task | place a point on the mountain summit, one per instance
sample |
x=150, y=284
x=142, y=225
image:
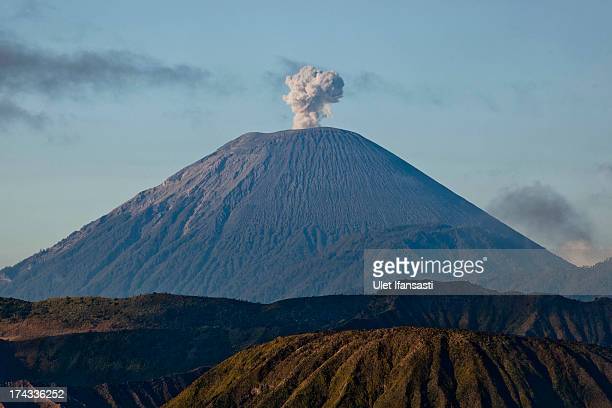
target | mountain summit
x=266, y=216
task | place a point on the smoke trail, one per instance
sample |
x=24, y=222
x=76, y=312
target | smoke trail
x=311, y=92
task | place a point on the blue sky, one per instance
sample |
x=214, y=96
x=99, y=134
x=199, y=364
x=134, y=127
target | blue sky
x=502, y=101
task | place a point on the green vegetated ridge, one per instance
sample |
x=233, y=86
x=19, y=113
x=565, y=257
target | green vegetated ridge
x=407, y=367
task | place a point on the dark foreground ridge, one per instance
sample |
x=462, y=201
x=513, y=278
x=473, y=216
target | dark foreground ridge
x=270, y=216
x=407, y=367
x=554, y=317
x=142, y=351
x=134, y=394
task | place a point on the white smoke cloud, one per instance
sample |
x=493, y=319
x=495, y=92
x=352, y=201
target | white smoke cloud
x=311, y=92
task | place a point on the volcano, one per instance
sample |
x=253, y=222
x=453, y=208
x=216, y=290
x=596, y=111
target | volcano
x=267, y=216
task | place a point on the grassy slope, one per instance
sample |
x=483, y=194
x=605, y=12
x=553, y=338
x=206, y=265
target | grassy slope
x=407, y=367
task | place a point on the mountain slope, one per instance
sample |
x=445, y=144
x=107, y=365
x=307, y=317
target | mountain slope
x=151, y=393
x=265, y=217
x=407, y=367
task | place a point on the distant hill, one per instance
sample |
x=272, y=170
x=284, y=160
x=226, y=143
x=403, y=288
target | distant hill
x=271, y=216
x=537, y=315
x=600, y=272
x=407, y=367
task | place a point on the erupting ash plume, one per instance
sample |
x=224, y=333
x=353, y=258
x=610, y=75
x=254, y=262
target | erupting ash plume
x=311, y=92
